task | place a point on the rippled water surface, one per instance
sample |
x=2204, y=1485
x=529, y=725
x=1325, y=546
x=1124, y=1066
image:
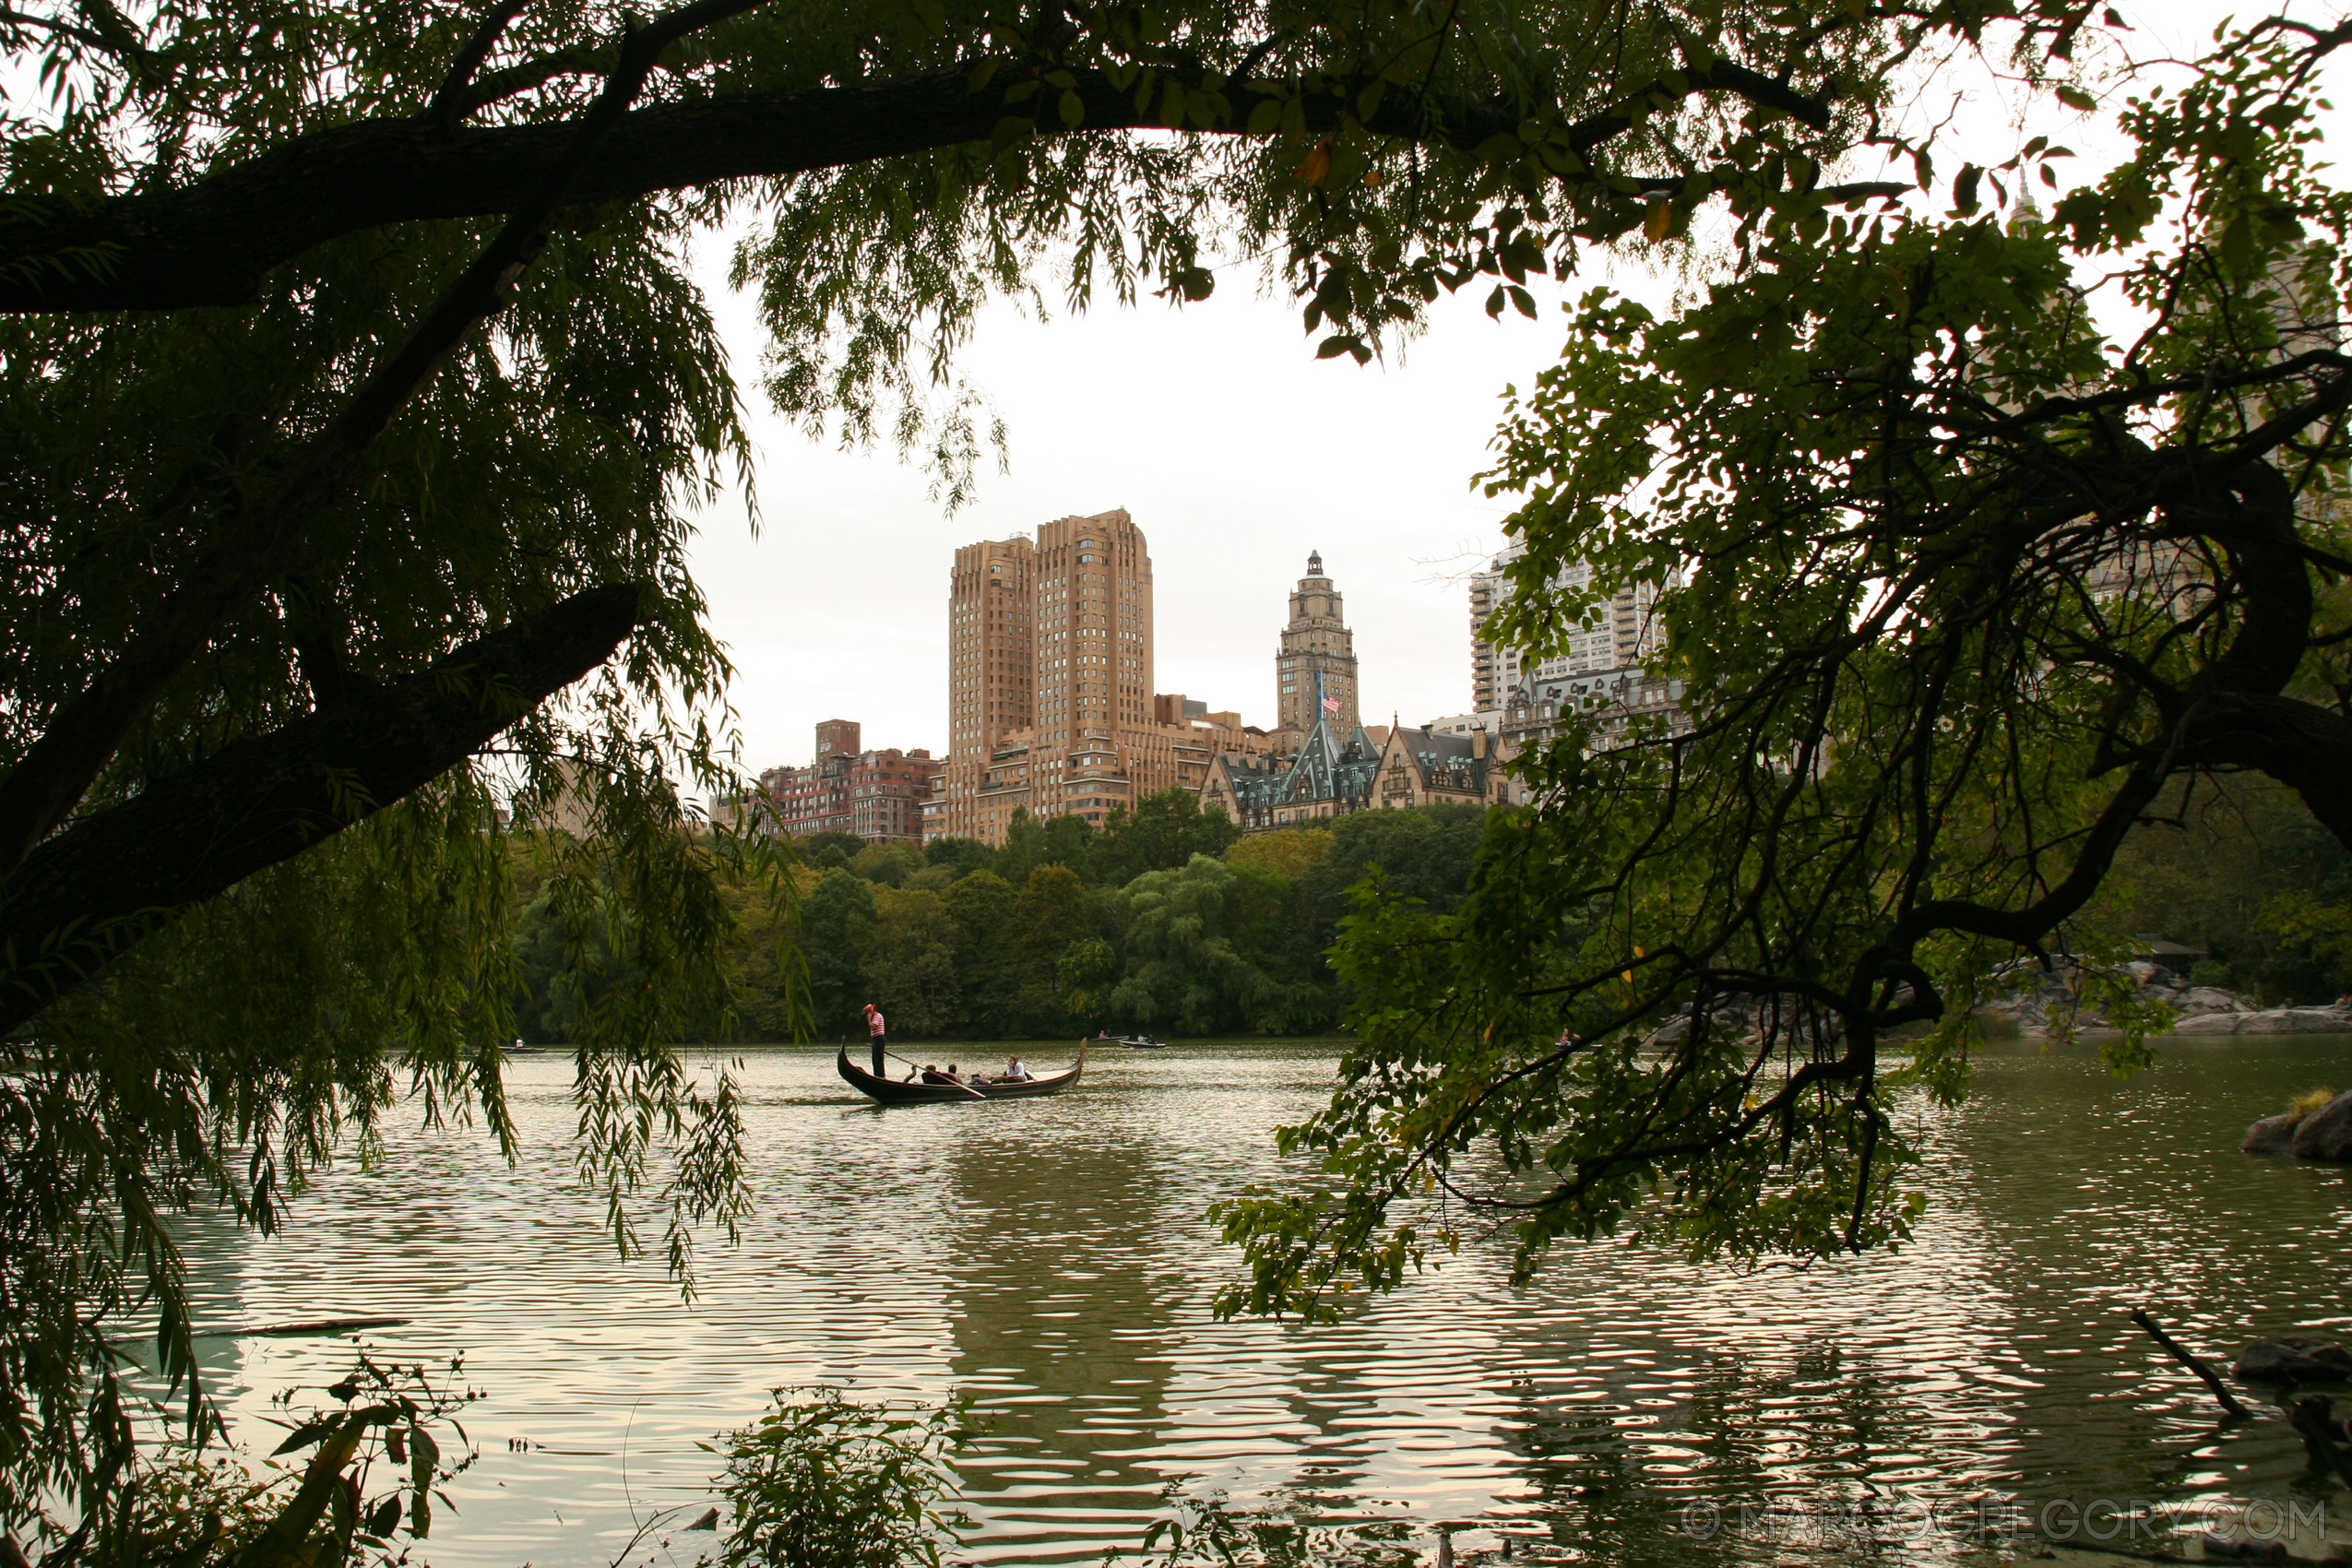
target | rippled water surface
x=1050, y=1257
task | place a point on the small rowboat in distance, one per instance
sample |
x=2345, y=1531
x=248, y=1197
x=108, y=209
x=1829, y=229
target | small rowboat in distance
x=1141, y=1042
x=890, y=1091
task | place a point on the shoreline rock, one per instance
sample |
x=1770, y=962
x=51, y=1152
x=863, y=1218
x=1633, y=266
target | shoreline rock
x=2293, y=1359
x=2324, y=1133
x=2272, y=1021
x=2272, y=1135
x=2196, y=1009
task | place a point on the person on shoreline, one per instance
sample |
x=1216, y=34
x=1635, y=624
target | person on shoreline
x=876, y=1034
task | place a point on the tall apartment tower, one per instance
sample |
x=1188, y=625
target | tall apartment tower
x=1615, y=637
x=1051, y=664
x=990, y=645
x=1487, y=590
x=1317, y=656
x=1094, y=648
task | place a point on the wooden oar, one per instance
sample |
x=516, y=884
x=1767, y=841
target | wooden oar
x=919, y=1067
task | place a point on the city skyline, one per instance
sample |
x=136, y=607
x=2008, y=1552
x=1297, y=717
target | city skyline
x=835, y=607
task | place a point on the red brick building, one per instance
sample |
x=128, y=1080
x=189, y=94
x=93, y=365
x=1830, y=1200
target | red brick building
x=877, y=795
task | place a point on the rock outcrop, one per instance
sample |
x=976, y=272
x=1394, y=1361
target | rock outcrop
x=2326, y=1133
x=2272, y=1135
x=2272, y=1021
x=2291, y=1359
x=1745, y=1019
x=2196, y=1009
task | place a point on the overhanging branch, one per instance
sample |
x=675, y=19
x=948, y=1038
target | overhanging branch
x=213, y=242
x=93, y=890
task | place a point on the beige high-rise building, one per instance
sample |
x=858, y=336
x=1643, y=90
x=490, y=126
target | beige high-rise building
x=1317, y=656
x=1050, y=666
x=1094, y=628
x=990, y=643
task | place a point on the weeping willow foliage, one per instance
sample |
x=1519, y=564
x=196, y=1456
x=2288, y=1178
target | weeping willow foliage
x=1370, y=156
x=258, y=1036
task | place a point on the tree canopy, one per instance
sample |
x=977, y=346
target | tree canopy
x=2000, y=532
x=357, y=400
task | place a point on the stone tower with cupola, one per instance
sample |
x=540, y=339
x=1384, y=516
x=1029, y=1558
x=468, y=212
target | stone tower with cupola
x=1317, y=657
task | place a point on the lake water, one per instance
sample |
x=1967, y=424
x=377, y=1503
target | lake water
x=1050, y=1257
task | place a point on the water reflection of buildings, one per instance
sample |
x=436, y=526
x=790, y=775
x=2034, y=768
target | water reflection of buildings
x=1062, y=1317
x=1079, y=1318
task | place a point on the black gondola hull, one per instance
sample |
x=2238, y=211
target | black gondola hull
x=889, y=1091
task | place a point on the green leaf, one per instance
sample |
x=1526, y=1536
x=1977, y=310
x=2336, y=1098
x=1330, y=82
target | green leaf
x=1964, y=190
x=307, y=1433
x=424, y=1457
x=1073, y=109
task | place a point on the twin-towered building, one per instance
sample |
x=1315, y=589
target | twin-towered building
x=1051, y=708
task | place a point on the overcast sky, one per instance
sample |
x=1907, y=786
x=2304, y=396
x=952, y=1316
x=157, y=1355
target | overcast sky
x=1237, y=453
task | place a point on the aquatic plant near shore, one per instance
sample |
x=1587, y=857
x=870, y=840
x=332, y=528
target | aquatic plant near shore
x=2308, y=1101
x=823, y=1481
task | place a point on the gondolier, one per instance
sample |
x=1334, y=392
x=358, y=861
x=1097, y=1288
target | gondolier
x=874, y=1032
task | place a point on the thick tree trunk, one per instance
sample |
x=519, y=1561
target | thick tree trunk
x=94, y=889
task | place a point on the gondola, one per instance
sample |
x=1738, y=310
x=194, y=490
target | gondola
x=889, y=1091
x=1141, y=1042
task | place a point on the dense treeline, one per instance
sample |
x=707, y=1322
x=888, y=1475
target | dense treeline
x=2237, y=870
x=1164, y=920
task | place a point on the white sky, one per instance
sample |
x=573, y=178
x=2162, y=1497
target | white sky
x=1237, y=453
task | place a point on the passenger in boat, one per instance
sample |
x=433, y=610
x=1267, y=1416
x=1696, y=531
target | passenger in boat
x=931, y=1074
x=875, y=1033
x=953, y=1075
x=1014, y=1072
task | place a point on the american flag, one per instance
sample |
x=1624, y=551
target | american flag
x=1331, y=704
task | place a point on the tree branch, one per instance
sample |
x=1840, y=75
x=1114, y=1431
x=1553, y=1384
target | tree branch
x=450, y=99
x=213, y=242
x=100, y=885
